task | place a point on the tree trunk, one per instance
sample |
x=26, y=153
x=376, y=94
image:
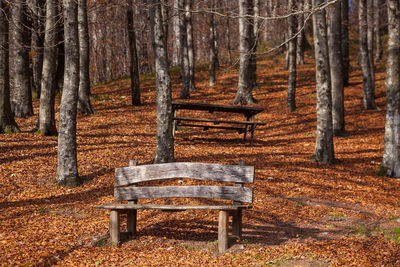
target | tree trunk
x=291, y=93
x=256, y=27
x=134, y=61
x=165, y=140
x=213, y=52
x=190, y=43
x=378, y=38
x=164, y=15
x=7, y=122
x=67, y=168
x=300, y=38
x=185, y=68
x=369, y=98
x=22, y=94
x=38, y=33
x=370, y=37
x=60, y=56
x=345, y=42
x=84, y=104
x=176, y=59
x=47, y=122
x=245, y=85
x=228, y=38
x=323, y=151
x=391, y=160
x=336, y=63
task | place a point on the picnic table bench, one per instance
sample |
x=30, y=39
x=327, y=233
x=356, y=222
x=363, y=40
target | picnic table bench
x=126, y=189
x=248, y=125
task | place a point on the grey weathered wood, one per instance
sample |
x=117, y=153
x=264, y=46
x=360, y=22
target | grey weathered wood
x=219, y=121
x=243, y=194
x=172, y=207
x=223, y=230
x=114, y=227
x=200, y=171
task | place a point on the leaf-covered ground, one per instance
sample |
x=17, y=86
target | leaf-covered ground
x=304, y=213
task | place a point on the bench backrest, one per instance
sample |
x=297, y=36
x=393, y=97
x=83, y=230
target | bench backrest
x=126, y=179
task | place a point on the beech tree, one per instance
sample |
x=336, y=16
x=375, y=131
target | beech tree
x=213, y=48
x=22, y=93
x=345, y=42
x=246, y=43
x=291, y=92
x=47, y=122
x=190, y=42
x=377, y=29
x=165, y=140
x=67, y=165
x=323, y=151
x=134, y=61
x=185, y=65
x=7, y=122
x=391, y=160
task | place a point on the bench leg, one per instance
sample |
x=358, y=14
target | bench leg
x=114, y=227
x=223, y=231
x=237, y=224
x=131, y=218
x=252, y=135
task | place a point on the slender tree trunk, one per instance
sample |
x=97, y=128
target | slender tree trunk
x=190, y=43
x=84, y=104
x=165, y=140
x=300, y=38
x=22, y=94
x=323, y=152
x=47, y=122
x=378, y=38
x=391, y=155
x=246, y=42
x=213, y=52
x=134, y=61
x=369, y=98
x=370, y=37
x=60, y=55
x=336, y=64
x=228, y=38
x=256, y=27
x=185, y=68
x=177, y=40
x=38, y=42
x=291, y=94
x=164, y=15
x=7, y=122
x=67, y=167
x=345, y=42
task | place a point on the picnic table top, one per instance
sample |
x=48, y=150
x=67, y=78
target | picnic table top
x=247, y=111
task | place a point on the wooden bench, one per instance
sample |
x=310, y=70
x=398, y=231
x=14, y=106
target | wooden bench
x=240, y=126
x=127, y=189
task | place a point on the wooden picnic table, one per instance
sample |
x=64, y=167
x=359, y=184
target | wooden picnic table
x=248, y=125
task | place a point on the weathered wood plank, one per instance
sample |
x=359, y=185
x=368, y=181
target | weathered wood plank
x=114, y=227
x=200, y=171
x=246, y=110
x=219, y=121
x=243, y=194
x=223, y=220
x=172, y=207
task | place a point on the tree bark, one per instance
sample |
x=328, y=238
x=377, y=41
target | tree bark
x=378, y=37
x=246, y=42
x=369, y=98
x=67, y=167
x=301, y=37
x=165, y=140
x=7, y=122
x=336, y=64
x=190, y=43
x=323, y=151
x=38, y=32
x=47, y=122
x=345, y=42
x=176, y=59
x=370, y=37
x=22, y=94
x=185, y=68
x=291, y=93
x=391, y=160
x=84, y=104
x=134, y=61
x=213, y=49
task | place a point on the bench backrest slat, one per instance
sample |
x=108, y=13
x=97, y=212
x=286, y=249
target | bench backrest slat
x=243, y=194
x=199, y=171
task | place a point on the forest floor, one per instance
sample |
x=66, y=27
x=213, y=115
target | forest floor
x=304, y=213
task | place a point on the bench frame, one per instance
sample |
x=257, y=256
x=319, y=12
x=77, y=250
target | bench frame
x=238, y=174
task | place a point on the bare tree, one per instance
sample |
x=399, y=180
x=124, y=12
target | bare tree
x=213, y=48
x=67, y=167
x=7, y=122
x=377, y=23
x=165, y=140
x=177, y=39
x=291, y=93
x=185, y=68
x=391, y=160
x=345, y=42
x=301, y=36
x=190, y=42
x=323, y=151
x=134, y=61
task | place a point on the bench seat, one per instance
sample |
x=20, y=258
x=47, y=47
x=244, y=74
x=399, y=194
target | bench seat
x=171, y=207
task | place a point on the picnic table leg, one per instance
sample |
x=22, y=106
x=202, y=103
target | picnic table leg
x=237, y=224
x=114, y=227
x=223, y=231
x=131, y=218
x=252, y=135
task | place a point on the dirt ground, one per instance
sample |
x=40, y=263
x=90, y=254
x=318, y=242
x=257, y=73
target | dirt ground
x=304, y=213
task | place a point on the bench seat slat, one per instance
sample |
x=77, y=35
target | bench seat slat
x=172, y=207
x=243, y=194
x=219, y=121
x=200, y=171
